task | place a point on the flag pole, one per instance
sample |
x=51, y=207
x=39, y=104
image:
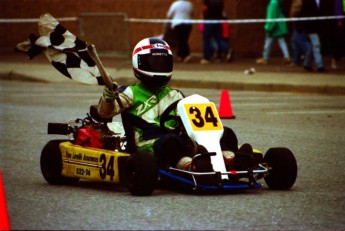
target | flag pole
x=108, y=81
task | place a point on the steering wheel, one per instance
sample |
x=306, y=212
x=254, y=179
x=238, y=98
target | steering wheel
x=167, y=117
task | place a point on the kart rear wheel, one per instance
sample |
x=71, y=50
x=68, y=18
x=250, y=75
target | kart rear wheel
x=51, y=164
x=282, y=167
x=141, y=174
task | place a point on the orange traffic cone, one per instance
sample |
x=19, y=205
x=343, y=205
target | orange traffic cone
x=4, y=221
x=225, y=110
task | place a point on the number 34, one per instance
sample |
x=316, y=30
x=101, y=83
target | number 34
x=204, y=117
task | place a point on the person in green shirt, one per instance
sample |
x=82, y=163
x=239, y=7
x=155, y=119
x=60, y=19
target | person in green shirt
x=275, y=30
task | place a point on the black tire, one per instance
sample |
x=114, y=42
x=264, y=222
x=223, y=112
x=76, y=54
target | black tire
x=51, y=164
x=282, y=168
x=141, y=174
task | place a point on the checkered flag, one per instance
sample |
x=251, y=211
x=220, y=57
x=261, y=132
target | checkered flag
x=68, y=54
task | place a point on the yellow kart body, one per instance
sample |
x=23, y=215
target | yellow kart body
x=90, y=163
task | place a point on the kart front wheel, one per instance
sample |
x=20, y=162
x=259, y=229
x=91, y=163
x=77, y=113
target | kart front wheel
x=51, y=164
x=282, y=167
x=141, y=174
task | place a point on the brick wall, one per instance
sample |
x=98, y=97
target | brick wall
x=246, y=38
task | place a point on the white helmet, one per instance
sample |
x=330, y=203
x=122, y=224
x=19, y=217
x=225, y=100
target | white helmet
x=152, y=61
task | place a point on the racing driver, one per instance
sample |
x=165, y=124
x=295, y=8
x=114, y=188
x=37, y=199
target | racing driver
x=142, y=104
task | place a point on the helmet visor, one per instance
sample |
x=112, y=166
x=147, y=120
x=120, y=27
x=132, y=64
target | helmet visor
x=155, y=62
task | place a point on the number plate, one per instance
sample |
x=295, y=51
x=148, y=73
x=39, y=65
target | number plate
x=203, y=117
x=90, y=163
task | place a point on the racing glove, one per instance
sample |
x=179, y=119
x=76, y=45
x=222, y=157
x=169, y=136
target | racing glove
x=109, y=94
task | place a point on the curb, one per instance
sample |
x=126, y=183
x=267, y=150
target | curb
x=329, y=90
x=200, y=83
x=13, y=76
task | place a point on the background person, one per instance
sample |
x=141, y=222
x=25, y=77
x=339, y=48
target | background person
x=225, y=42
x=300, y=43
x=338, y=34
x=181, y=9
x=310, y=8
x=217, y=53
x=213, y=10
x=275, y=30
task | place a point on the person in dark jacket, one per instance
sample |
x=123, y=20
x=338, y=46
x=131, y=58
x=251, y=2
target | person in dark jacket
x=213, y=10
x=338, y=33
x=310, y=8
x=301, y=46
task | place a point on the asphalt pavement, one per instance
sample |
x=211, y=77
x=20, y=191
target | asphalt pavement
x=234, y=75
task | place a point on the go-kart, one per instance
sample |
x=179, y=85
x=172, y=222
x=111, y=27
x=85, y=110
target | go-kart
x=97, y=151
